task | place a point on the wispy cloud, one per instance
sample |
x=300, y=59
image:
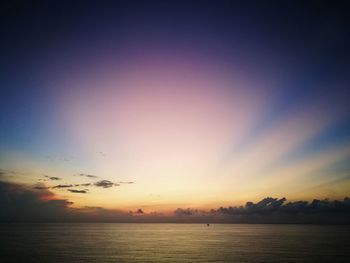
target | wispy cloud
x=53, y=178
x=87, y=175
x=40, y=187
x=85, y=191
x=101, y=183
x=4, y=172
x=87, y=184
x=62, y=186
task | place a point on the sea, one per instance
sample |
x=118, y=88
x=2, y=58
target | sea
x=115, y=242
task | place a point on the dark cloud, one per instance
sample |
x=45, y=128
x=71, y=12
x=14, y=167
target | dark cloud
x=41, y=186
x=54, y=178
x=62, y=186
x=273, y=206
x=38, y=187
x=186, y=212
x=88, y=175
x=105, y=184
x=87, y=184
x=139, y=211
x=273, y=210
x=102, y=183
x=85, y=191
x=20, y=204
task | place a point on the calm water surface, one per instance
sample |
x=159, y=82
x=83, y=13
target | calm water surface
x=173, y=243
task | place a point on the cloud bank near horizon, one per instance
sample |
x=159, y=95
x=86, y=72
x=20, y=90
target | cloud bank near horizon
x=19, y=203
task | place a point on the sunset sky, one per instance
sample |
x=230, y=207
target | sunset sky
x=145, y=105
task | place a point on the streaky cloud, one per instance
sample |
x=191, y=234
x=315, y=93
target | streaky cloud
x=62, y=186
x=87, y=184
x=78, y=191
x=39, y=187
x=53, y=178
x=88, y=175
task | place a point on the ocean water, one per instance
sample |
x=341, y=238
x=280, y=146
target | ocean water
x=102, y=242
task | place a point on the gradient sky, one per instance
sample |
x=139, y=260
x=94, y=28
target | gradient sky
x=198, y=104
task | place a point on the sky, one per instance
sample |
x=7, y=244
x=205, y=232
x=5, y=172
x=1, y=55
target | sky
x=157, y=105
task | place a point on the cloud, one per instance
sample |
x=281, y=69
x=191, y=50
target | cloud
x=6, y=172
x=62, y=186
x=105, y=184
x=88, y=184
x=40, y=187
x=102, y=183
x=54, y=178
x=139, y=211
x=185, y=212
x=85, y=191
x=87, y=175
x=279, y=206
x=273, y=210
x=21, y=204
